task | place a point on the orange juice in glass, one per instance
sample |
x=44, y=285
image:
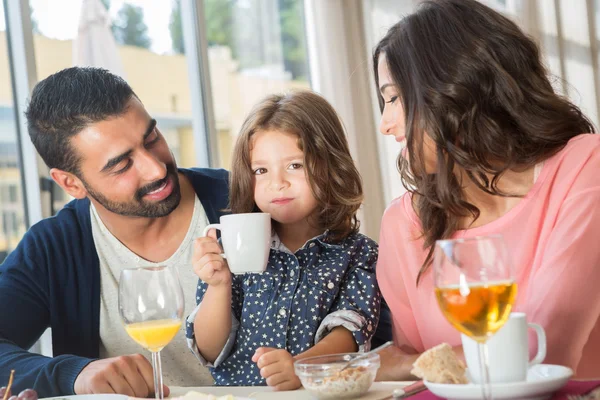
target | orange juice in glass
x=151, y=307
x=475, y=289
x=154, y=335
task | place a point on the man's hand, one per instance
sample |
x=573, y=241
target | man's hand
x=277, y=367
x=130, y=375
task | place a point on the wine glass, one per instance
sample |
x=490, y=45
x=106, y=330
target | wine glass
x=475, y=289
x=151, y=307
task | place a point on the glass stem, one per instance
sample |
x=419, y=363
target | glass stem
x=484, y=371
x=158, y=378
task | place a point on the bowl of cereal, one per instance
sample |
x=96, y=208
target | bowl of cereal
x=323, y=377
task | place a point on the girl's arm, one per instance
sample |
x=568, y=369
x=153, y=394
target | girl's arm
x=212, y=324
x=339, y=340
x=209, y=331
x=358, y=301
x=277, y=365
x=348, y=327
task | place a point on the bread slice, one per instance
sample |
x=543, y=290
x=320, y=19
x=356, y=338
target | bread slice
x=440, y=365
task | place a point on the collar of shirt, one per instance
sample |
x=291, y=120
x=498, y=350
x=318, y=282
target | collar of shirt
x=277, y=244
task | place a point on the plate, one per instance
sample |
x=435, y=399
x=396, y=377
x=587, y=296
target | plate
x=542, y=381
x=89, y=397
x=113, y=397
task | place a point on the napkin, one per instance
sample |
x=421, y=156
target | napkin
x=575, y=388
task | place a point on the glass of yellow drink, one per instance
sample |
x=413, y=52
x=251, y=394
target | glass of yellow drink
x=475, y=289
x=151, y=307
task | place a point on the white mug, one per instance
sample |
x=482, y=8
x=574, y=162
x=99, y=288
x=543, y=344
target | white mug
x=508, y=351
x=246, y=240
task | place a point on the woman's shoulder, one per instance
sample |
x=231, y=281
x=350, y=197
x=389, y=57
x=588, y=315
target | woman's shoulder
x=575, y=168
x=580, y=150
x=587, y=143
x=401, y=212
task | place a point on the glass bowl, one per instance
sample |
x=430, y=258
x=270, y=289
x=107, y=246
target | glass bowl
x=321, y=375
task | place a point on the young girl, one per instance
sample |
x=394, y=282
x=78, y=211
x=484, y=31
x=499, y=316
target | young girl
x=318, y=294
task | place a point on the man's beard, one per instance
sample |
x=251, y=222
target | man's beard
x=139, y=207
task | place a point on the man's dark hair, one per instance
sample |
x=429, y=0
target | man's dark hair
x=65, y=103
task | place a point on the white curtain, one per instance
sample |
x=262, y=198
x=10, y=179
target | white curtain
x=340, y=71
x=567, y=32
x=379, y=16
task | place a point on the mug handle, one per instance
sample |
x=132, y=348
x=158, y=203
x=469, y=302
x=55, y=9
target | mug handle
x=217, y=227
x=541, y=336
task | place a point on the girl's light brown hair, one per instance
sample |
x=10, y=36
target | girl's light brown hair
x=332, y=175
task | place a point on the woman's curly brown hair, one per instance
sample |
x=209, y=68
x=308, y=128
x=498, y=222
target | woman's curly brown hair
x=332, y=175
x=473, y=81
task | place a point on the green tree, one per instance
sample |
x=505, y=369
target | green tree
x=176, y=28
x=218, y=24
x=220, y=30
x=291, y=18
x=129, y=27
x=34, y=24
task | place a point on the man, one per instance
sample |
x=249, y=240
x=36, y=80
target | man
x=132, y=207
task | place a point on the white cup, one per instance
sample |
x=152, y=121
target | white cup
x=508, y=351
x=246, y=240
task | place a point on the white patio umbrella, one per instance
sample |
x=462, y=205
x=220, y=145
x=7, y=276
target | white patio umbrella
x=95, y=44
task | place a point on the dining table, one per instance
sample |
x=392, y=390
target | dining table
x=378, y=391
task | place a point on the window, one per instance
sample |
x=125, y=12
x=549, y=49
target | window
x=256, y=48
x=380, y=15
x=146, y=48
x=11, y=203
x=11, y=221
x=13, y=191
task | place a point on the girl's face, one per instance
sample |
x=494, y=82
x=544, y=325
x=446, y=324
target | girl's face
x=281, y=185
x=393, y=118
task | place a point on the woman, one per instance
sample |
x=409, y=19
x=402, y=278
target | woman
x=490, y=149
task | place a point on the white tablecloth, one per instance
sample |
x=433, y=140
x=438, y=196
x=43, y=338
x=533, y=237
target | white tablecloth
x=379, y=390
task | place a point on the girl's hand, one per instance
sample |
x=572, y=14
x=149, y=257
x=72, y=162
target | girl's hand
x=277, y=367
x=208, y=263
